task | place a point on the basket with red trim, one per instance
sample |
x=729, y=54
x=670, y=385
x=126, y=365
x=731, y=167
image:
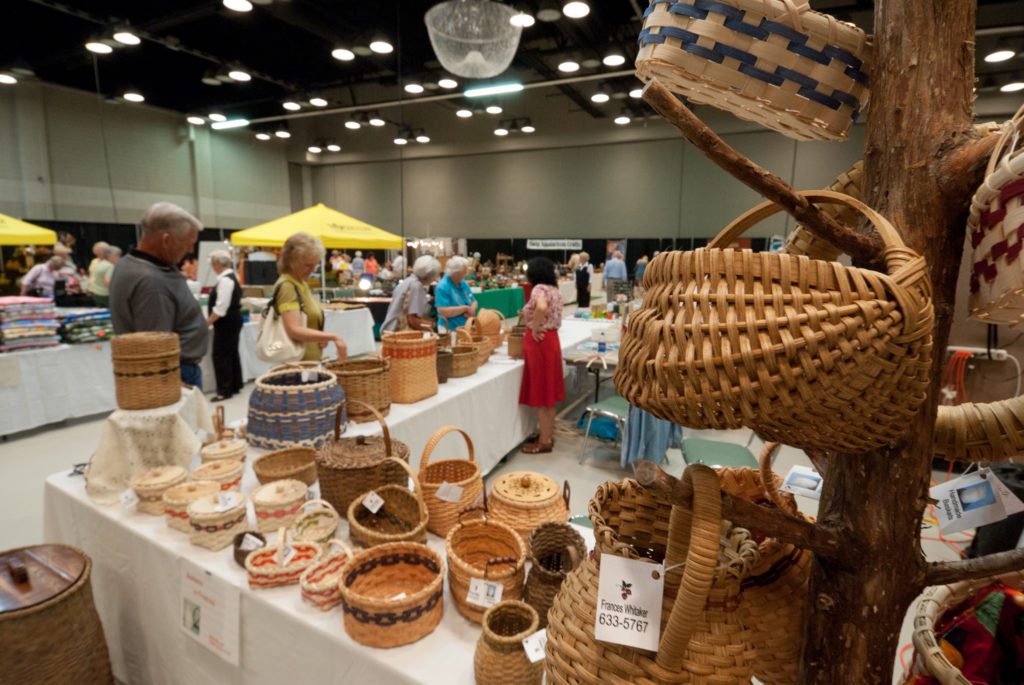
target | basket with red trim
x=281, y=564
x=319, y=582
x=278, y=504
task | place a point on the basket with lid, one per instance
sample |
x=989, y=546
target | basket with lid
x=525, y=499
x=277, y=504
x=499, y=658
x=487, y=550
x=150, y=486
x=319, y=582
x=367, y=381
x=177, y=499
x=291, y=408
x=282, y=563
x=316, y=524
x=223, y=449
x=348, y=466
x=227, y=472
x=291, y=462
x=460, y=479
x=399, y=516
x=215, y=519
x=146, y=369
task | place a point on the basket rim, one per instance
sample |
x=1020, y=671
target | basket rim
x=319, y=384
x=350, y=596
x=510, y=605
x=457, y=563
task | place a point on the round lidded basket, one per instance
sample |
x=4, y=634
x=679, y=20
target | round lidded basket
x=319, y=582
x=499, y=658
x=401, y=518
x=177, y=499
x=465, y=361
x=215, y=519
x=227, y=472
x=444, y=514
x=316, y=525
x=298, y=463
x=274, y=566
x=285, y=410
x=367, y=381
x=525, y=499
x=223, y=449
x=556, y=549
x=150, y=486
x=488, y=550
x=147, y=369
x=277, y=504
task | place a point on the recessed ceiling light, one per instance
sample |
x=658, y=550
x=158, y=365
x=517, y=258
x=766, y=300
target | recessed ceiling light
x=422, y=138
x=239, y=75
x=614, y=60
x=7, y=79
x=521, y=19
x=413, y=88
x=600, y=97
x=315, y=149
x=502, y=131
x=291, y=106
x=334, y=147
x=343, y=54
x=353, y=124
x=127, y=38
x=401, y=140
x=211, y=80
x=263, y=136
x=494, y=109
x=382, y=47
x=622, y=120
x=318, y=102
x=230, y=123
x=196, y=121
x=569, y=66
x=283, y=133
x=636, y=93
x=528, y=128
x=224, y=78
x=98, y=47
x=376, y=121
x=133, y=96
x=999, y=56
x=464, y=113
x=448, y=83
x=1013, y=87
x=575, y=10
x=216, y=116
x=238, y=5
x=496, y=89
x=549, y=12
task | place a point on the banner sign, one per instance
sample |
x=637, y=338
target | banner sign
x=554, y=244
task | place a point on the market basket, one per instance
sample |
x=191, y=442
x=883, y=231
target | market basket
x=500, y=658
x=318, y=524
x=525, y=499
x=772, y=62
x=465, y=361
x=348, y=466
x=319, y=582
x=489, y=324
x=280, y=564
x=463, y=475
x=487, y=550
x=287, y=411
x=215, y=519
x=223, y=449
x=392, y=594
x=147, y=369
x=366, y=381
x=176, y=500
x=481, y=345
x=292, y=462
x=413, y=356
x=810, y=353
x=149, y=487
x=444, y=365
x=401, y=518
x=226, y=472
x=277, y=504
x=556, y=549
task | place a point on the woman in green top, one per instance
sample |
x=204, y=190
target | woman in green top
x=300, y=256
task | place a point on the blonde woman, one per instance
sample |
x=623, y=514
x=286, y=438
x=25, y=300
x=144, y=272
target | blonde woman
x=300, y=256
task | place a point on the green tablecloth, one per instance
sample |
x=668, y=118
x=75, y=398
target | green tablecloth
x=508, y=301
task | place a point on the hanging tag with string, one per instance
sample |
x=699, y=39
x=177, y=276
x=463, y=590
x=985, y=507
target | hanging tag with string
x=972, y=500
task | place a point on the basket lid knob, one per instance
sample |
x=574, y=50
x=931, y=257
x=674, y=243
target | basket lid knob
x=525, y=481
x=360, y=439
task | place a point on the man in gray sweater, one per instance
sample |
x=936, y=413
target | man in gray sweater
x=149, y=293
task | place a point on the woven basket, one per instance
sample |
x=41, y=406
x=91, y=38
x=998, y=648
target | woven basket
x=236, y=545
x=993, y=225
x=990, y=431
x=515, y=342
x=392, y=594
x=367, y=381
x=523, y=500
x=147, y=369
x=298, y=463
x=285, y=411
x=278, y=504
x=465, y=361
x=803, y=242
x=499, y=658
x=226, y=472
x=465, y=474
x=150, y=486
x=348, y=466
x=481, y=345
x=555, y=550
x=413, y=356
x=212, y=525
x=316, y=525
x=319, y=582
x=444, y=365
x=177, y=499
x=489, y=324
x=814, y=354
x=223, y=449
x=772, y=62
x=484, y=549
x=402, y=517
x=266, y=567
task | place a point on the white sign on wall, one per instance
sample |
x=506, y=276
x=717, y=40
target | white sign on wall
x=554, y=244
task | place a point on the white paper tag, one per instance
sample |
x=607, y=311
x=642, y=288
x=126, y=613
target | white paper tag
x=484, y=593
x=307, y=375
x=629, y=598
x=129, y=499
x=285, y=554
x=534, y=645
x=225, y=501
x=237, y=423
x=250, y=542
x=1011, y=503
x=803, y=480
x=373, y=501
x=202, y=435
x=968, y=502
x=449, y=492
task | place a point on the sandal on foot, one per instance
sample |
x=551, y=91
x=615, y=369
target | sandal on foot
x=538, y=448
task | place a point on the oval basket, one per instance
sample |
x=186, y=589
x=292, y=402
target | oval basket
x=319, y=582
x=147, y=369
x=366, y=381
x=226, y=472
x=488, y=550
x=266, y=568
x=524, y=499
x=297, y=463
x=402, y=517
x=177, y=499
x=499, y=658
x=223, y=449
x=286, y=411
x=316, y=525
x=150, y=486
x=459, y=472
x=277, y=504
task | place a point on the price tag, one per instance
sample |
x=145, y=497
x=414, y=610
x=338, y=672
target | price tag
x=307, y=375
x=202, y=435
x=629, y=597
x=1011, y=503
x=225, y=501
x=803, y=480
x=373, y=502
x=534, y=645
x=285, y=554
x=968, y=502
x=449, y=492
x=484, y=593
x=238, y=423
x=250, y=542
x=129, y=499
x=313, y=492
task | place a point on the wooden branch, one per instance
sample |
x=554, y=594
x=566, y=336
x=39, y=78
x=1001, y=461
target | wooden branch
x=942, y=572
x=857, y=245
x=771, y=522
x=963, y=169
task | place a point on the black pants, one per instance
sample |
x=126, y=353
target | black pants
x=227, y=365
x=583, y=296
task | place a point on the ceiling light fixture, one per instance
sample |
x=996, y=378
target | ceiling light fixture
x=569, y=66
x=353, y=124
x=315, y=149
x=283, y=134
x=527, y=127
x=99, y=48
x=334, y=147
x=375, y=120
x=381, y=46
x=464, y=113
x=216, y=116
x=497, y=89
x=240, y=75
x=133, y=96
x=600, y=96
x=413, y=88
x=522, y=19
x=238, y=5
x=230, y=123
x=196, y=121
x=7, y=79
x=1000, y=55
x=210, y=78
x=549, y=11
x=501, y=131
x=1013, y=87
x=400, y=139
x=263, y=136
x=636, y=93
x=423, y=138
x=318, y=102
x=494, y=109
x=126, y=37
x=343, y=54
x=291, y=105
x=448, y=83
x=614, y=59
x=575, y=10
x=623, y=119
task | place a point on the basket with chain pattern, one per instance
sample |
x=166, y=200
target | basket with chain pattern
x=460, y=473
x=319, y=582
x=413, y=356
x=402, y=517
x=177, y=499
x=366, y=380
x=146, y=369
x=292, y=408
x=499, y=658
x=282, y=563
x=812, y=353
x=214, y=520
x=556, y=549
x=488, y=550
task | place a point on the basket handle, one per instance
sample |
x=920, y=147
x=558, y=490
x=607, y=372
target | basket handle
x=497, y=560
x=565, y=494
x=574, y=556
x=322, y=503
x=484, y=507
x=380, y=419
x=768, y=480
x=218, y=422
x=340, y=543
x=436, y=438
x=408, y=469
x=459, y=332
x=1011, y=135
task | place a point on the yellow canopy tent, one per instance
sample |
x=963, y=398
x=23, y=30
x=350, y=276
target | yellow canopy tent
x=16, y=232
x=334, y=229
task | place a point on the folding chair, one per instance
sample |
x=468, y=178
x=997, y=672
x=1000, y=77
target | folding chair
x=615, y=408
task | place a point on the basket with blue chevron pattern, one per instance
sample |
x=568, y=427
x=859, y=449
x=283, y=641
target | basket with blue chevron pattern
x=773, y=62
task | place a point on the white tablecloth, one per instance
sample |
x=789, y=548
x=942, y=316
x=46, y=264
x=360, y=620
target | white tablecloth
x=568, y=290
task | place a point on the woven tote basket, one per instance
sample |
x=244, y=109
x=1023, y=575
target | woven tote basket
x=773, y=62
x=147, y=369
x=226, y=472
x=987, y=431
x=298, y=463
x=268, y=566
x=177, y=499
x=499, y=658
x=413, y=356
x=277, y=505
x=515, y=342
x=488, y=550
x=392, y=594
x=401, y=518
x=444, y=365
x=464, y=474
x=286, y=411
x=465, y=361
x=523, y=500
x=150, y=486
x=223, y=449
x=318, y=524
x=319, y=582
x=367, y=381
x=556, y=549
x=348, y=466
x=214, y=520
x=480, y=344
x=810, y=353
x=489, y=324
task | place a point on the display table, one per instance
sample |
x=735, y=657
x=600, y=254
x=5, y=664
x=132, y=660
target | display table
x=568, y=290
x=377, y=306
x=508, y=301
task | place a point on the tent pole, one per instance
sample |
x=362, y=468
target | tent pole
x=323, y=276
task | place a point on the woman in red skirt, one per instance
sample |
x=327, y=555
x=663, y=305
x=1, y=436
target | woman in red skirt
x=543, y=385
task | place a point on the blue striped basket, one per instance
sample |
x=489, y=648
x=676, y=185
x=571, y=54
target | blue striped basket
x=773, y=62
x=285, y=410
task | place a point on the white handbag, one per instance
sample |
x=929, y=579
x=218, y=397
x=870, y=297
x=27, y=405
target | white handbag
x=273, y=344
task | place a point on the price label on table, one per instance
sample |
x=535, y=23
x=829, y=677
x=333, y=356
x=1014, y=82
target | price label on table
x=534, y=645
x=373, y=502
x=484, y=593
x=449, y=492
x=249, y=543
x=629, y=597
x=129, y=499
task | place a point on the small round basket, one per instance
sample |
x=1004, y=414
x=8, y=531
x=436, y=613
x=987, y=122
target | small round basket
x=465, y=361
x=227, y=472
x=236, y=545
x=177, y=499
x=277, y=504
x=319, y=582
x=223, y=449
x=318, y=524
x=150, y=486
x=297, y=463
x=524, y=500
x=488, y=550
x=401, y=518
x=500, y=658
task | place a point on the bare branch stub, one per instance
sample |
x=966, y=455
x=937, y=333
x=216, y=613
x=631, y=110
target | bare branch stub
x=942, y=572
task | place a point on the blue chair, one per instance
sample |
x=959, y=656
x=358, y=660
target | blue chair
x=615, y=408
x=717, y=454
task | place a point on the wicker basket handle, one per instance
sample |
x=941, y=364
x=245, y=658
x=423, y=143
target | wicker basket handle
x=377, y=415
x=436, y=438
x=337, y=421
x=574, y=557
x=416, y=489
x=460, y=332
x=768, y=480
x=497, y=560
x=483, y=508
x=218, y=422
x=322, y=503
x=340, y=543
x=1008, y=141
x=565, y=495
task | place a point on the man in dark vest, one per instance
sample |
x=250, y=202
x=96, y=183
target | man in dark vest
x=226, y=318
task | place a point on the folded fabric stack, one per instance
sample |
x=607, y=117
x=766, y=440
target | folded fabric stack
x=27, y=322
x=84, y=324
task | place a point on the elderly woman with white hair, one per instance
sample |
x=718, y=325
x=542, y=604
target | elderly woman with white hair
x=452, y=297
x=410, y=298
x=225, y=315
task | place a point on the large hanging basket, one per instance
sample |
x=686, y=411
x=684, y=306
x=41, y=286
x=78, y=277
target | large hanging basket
x=401, y=518
x=488, y=550
x=988, y=431
x=464, y=474
x=287, y=411
x=147, y=369
x=523, y=500
x=500, y=658
x=556, y=549
x=413, y=356
x=772, y=62
x=367, y=381
x=810, y=353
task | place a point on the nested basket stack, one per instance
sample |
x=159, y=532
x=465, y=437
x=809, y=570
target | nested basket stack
x=348, y=467
x=319, y=582
x=413, y=356
x=772, y=62
x=297, y=463
x=177, y=499
x=524, y=499
x=465, y=361
x=500, y=658
x=215, y=519
x=316, y=524
x=150, y=486
x=811, y=353
x=287, y=411
x=401, y=518
x=556, y=549
x=366, y=381
x=272, y=566
x=278, y=504
x=464, y=475
x=226, y=472
x=488, y=550
x=147, y=369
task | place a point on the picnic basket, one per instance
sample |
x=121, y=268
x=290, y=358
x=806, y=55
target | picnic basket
x=147, y=369
x=413, y=356
x=367, y=381
x=499, y=658
x=484, y=549
x=461, y=473
x=401, y=518
x=319, y=582
x=149, y=487
x=287, y=411
x=176, y=500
